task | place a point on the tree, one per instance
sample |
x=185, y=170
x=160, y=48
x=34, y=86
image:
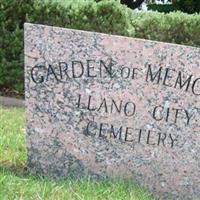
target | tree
x=189, y=6
x=132, y=3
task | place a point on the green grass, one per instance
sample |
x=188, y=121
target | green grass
x=17, y=184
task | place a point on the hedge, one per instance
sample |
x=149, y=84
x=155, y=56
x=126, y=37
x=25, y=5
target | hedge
x=107, y=16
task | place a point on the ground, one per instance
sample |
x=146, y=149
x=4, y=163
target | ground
x=17, y=183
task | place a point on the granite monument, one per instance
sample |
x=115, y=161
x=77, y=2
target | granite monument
x=103, y=106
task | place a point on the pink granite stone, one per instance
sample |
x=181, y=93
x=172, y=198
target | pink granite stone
x=106, y=106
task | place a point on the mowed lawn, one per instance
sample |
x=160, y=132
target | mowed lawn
x=18, y=184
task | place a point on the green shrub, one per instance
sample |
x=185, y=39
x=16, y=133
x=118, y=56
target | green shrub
x=175, y=27
x=12, y=17
x=107, y=16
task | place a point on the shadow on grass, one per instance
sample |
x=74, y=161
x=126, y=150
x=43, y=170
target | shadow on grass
x=19, y=170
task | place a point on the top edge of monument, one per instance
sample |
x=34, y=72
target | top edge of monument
x=26, y=24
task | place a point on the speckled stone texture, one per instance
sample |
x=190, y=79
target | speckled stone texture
x=104, y=106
